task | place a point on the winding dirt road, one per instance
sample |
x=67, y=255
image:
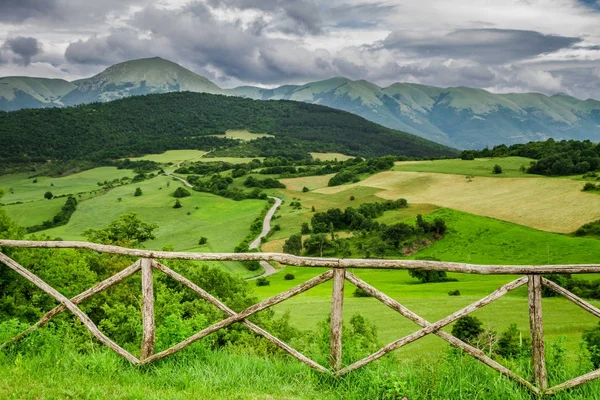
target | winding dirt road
x=269, y=270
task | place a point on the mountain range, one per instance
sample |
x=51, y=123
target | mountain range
x=460, y=117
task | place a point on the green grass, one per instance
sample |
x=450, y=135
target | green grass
x=35, y=212
x=471, y=239
x=478, y=167
x=223, y=221
x=18, y=187
x=172, y=156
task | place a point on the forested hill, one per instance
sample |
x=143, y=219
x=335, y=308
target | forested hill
x=159, y=122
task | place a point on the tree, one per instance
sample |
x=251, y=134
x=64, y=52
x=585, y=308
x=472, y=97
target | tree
x=138, y=192
x=128, y=231
x=497, y=169
x=396, y=233
x=429, y=276
x=467, y=329
x=317, y=243
x=305, y=229
x=202, y=241
x=305, y=189
x=512, y=343
x=48, y=195
x=293, y=245
x=289, y=277
x=177, y=204
x=181, y=192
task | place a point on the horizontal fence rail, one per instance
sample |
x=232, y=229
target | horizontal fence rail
x=339, y=274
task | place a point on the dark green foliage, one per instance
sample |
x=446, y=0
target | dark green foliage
x=352, y=198
x=354, y=218
x=467, y=329
x=454, y=293
x=236, y=173
x=289, y=277
x=127, y=231
x=467, y=155
x=560, y=279
x=48, y=195
x=497, y=169
x=358, y=292
x=263, y=282
x=203, y=240
x=252, y=265
x=177, y=204
x=62, y=218
x=317, y=243
x=268, y=183
x=138, y=192
x=155, y=123
x=355, y=167
x=512, y=343
x=589, y=229
x=181, y=192
x=305, y=189
x=589, y=186
x=430, y=276
x=293, y=245
x=219, y=185
x=305, y=229
x=591, y=338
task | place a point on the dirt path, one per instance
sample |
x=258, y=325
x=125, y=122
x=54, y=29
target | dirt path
x=186, y=183
x=269, y=270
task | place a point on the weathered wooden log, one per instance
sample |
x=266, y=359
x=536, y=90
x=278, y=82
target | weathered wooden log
x=324, y=277
x=574, y=382
x=437, y=325
x=288, y=259
x=69, y=305
x=147, y=310
x=536, y=326
x=256, y=329
x=105, y=284
x=467, y=348
x=571, y=297
x=337, y=306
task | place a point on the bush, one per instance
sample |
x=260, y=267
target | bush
x=202, y=241
x=263, y=282
x=358, y=292
x=305, y=189
x=289, y=277
x=305, y=229
x=467, y=329
x=138, y=192
x=512, y=343
x=591, y=339
x=181, y=192
x=589, y=186
x=497, y=169
x=252, y=265
x=352, y=198
x=177, y=204
x=48, y=195
x=454, y=293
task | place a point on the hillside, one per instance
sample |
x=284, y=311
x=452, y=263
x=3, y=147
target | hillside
x=138, y=77
x=461, y=117
x=155, y=123
x=17, y=92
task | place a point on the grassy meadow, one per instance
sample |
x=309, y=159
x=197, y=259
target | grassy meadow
x=511, y=166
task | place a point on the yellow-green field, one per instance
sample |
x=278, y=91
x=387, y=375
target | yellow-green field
x=511, y=166
x=330, y=156
x=173, y=156
x=556, y=205
x=243, y=135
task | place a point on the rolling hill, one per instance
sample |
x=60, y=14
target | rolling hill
x=155, y=123
x=460, y=117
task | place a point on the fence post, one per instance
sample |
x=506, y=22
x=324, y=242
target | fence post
x=538, y=357
x=147, y=309
x=337, y=304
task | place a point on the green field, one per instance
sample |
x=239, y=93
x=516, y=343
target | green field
x=471, y=239
x=478, y=167
x=244, y=135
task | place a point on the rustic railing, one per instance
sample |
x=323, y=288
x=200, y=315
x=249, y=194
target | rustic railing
x=339, y=274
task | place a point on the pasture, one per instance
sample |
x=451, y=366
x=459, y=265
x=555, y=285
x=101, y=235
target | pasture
x=330, y=156
x=555, y=205
x=511, y=166
x=243, y=135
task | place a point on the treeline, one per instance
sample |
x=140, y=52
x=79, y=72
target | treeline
x=566, y=157
x=219, y=185
x=355, y=167
x=60, y=219
x=160, y=122
x=268, y=183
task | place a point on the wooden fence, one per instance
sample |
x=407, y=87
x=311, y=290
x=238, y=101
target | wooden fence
x=339, y=273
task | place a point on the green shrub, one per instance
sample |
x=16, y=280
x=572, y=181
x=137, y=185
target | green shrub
x=202, y=241
x=467, y=328
x=177, y=204
x=289, y=277
x=591, y=339
x=454, y=293
x=263, y=282
x=497, y=169
x=181, y=192
x=358, y=292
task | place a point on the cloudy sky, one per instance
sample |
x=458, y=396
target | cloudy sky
x=544, y=46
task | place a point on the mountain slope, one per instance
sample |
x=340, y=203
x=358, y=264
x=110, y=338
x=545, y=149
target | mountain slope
x=159, y=122
x=459, y=116
x=17, y=92
x=138, y=77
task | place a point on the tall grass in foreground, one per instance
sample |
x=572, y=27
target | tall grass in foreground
x=47, y=365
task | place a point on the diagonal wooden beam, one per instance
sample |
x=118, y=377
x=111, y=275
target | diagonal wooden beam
x=69, y=305
x=436, y=326
x=574, y=382
x=467, y=348
x=324, y=277
x=571, y=297
x=256, y=329
x=105, y=284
